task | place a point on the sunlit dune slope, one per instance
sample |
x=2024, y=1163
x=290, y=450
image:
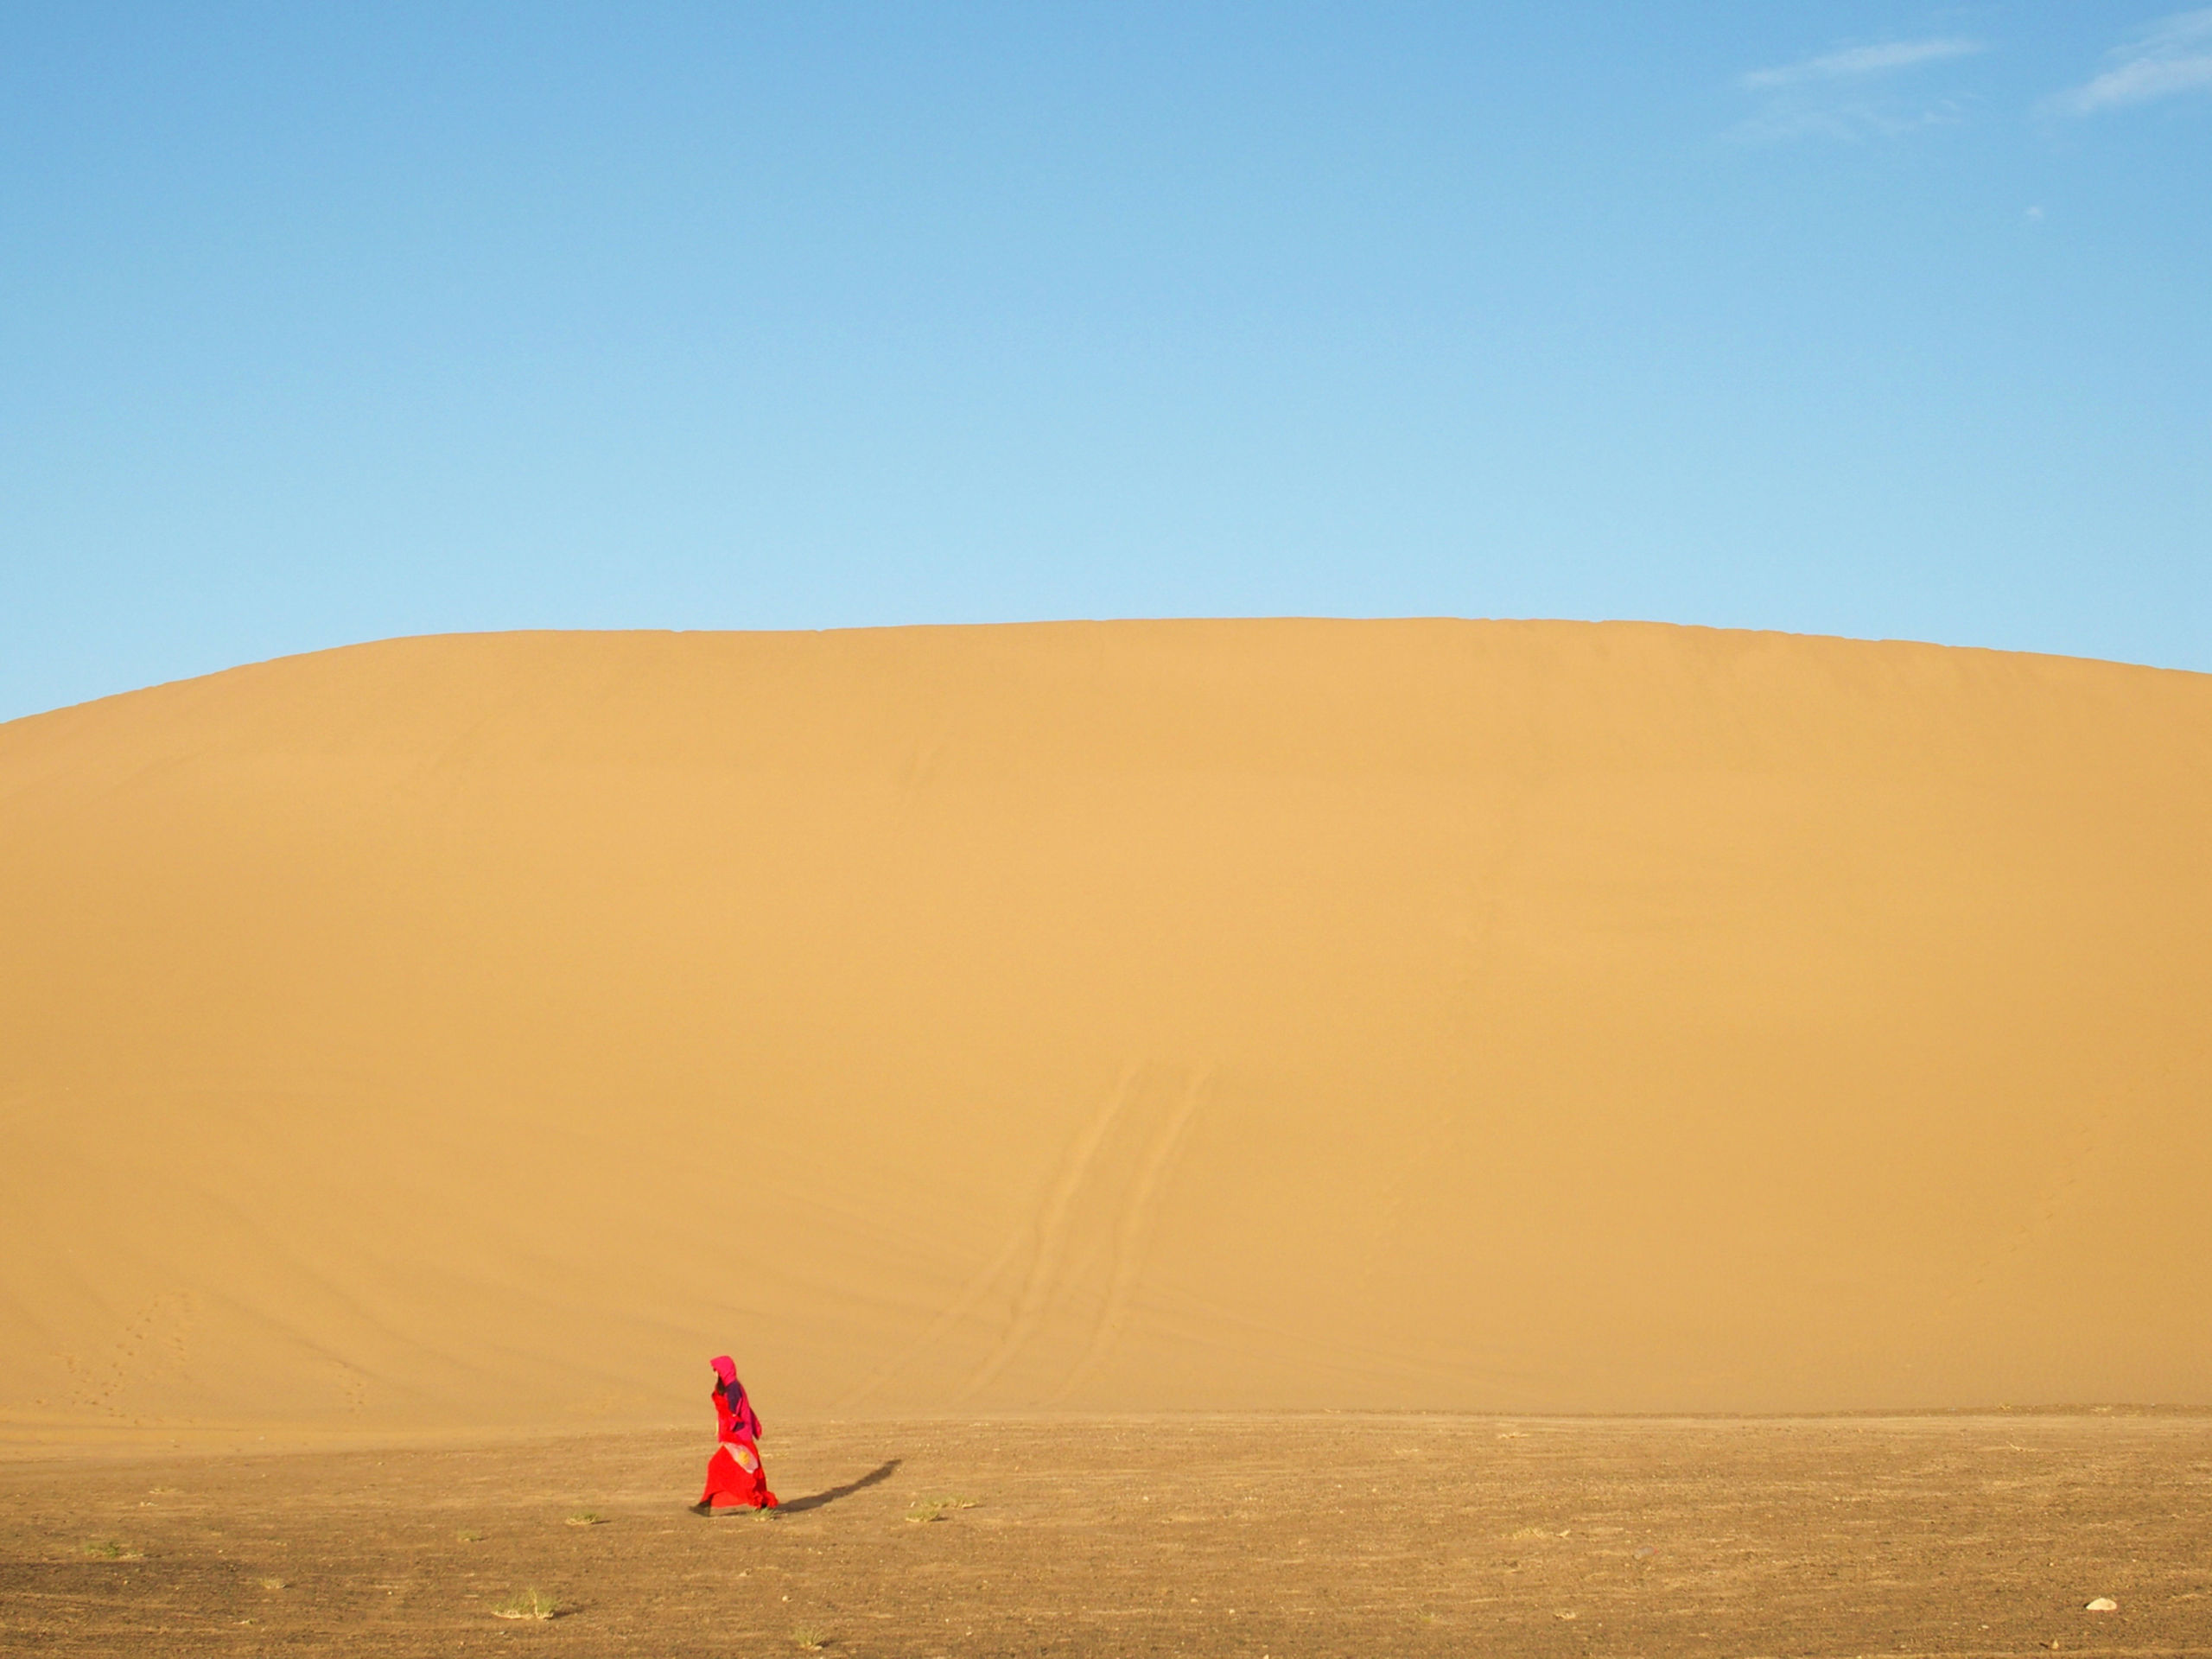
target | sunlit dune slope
x=1529, y=1016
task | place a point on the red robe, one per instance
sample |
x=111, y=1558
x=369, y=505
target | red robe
x=735, y=1479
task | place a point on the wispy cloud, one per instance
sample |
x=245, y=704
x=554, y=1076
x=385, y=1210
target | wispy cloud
x=1848, y=93
x=1858, y=61
x=2173, y=55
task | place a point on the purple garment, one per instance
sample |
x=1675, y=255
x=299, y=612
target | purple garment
x=741, y=1416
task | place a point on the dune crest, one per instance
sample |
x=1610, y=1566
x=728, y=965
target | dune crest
x=1525, y=1016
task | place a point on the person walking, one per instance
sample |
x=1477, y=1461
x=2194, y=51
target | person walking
x=735, y=1479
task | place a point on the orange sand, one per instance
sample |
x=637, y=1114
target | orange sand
x=1527, y=1016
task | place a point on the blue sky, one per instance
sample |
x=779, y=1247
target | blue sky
x=320, y=323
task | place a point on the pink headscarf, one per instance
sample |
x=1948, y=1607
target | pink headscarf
x=726, y=1369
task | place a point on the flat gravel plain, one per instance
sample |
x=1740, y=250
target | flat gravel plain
x=1276, y=1536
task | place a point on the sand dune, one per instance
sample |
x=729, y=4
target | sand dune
x=463, y=1031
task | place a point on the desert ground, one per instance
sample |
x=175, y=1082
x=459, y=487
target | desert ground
x=1284, y=1536
x=1259, y=1137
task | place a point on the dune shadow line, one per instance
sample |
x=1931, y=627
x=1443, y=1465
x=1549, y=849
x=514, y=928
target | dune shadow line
x=882, y=1471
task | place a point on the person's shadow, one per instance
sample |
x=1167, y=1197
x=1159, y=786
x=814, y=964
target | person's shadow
x=881, y=1472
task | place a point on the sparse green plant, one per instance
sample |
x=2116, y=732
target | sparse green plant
x=527, y=1603
x=807, y=1637
x=469, y=1535
x=112, y=1549
x=586, y=1518
x=274, y=1584
x=935, y=1508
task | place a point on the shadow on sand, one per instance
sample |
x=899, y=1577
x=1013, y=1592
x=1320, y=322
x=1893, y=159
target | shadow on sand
x=882, y=1471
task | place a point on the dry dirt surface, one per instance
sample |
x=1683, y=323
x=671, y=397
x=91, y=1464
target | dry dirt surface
x=1276, y=1536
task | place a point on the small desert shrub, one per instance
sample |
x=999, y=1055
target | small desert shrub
x=529, y=1604
x=935, y=1508
x=811, y=1640
x=274, y=1584
x=110, y=1549
x=586, y=1518
x=469, y=1535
